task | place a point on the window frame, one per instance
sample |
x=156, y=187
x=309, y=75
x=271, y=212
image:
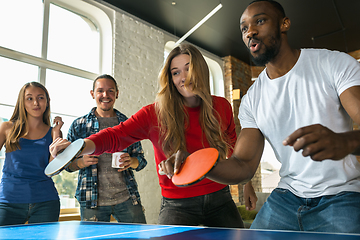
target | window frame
x=97, y=16
x=89, y=11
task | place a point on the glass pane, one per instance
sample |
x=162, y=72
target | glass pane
x=69, y=95
x=21, y=25
x=270, y=167
x=5, y=113
x=73, y=40
x=66, y=119
x=65, y=184
x=14, y=75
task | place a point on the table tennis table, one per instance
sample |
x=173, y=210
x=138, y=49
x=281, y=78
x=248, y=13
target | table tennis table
x=101, y=230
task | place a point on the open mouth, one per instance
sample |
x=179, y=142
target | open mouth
x=254, y=45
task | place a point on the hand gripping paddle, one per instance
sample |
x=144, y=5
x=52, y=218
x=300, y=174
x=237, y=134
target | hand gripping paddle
x=63, y=159
x=196, y=166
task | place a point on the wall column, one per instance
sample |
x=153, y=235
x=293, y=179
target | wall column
x=237, y=76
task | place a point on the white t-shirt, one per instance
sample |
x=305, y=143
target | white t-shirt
x=307, y=94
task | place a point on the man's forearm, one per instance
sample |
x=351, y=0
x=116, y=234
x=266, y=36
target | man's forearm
x=354, y=142
x=232, y=171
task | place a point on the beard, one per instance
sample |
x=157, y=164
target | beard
x=271, y=51
x=106, y=109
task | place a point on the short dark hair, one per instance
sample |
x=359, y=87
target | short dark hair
x=106, y=76
x=275, y=5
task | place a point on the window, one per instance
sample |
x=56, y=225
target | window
x=64, y=45
x=78, y=45
x=216, y=78
x=270, y=167
x=216, y=74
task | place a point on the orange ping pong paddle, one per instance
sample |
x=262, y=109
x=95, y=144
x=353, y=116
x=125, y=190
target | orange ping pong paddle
x=196, y=166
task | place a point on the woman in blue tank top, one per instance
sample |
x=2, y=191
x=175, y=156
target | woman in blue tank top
x=26, y=193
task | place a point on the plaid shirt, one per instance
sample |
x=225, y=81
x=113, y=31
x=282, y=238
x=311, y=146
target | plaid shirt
x=86, y=191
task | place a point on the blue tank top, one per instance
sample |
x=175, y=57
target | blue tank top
x=23, y=179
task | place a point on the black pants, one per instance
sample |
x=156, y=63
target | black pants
x=213, y=210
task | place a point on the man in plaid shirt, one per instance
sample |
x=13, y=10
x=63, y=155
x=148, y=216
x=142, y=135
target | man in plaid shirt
x=103, y=191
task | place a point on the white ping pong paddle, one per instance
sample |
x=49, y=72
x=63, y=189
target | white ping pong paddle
x=63, y=159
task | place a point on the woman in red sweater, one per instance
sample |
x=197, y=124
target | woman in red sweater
x=184, y=117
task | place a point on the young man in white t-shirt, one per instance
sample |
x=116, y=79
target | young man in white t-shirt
x=304, y=104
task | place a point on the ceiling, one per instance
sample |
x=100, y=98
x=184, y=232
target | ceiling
x=332, y=24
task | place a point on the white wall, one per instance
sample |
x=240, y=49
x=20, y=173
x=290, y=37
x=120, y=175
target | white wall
x=138, y=56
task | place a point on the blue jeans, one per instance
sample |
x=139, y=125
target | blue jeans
x=213, y=210
x=333, y=213
x=122, y=212
x=20, y=213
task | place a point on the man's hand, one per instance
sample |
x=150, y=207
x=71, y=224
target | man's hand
x=250, y=197
x=126, y=162
x=172, y=165
x=86, y=161
x=319, y=143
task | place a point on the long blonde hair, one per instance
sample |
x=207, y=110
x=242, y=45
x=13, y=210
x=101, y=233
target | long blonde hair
x=171, y=109
x=19, y=118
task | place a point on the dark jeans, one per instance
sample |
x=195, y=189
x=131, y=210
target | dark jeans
x=20, y=213
x=122, y=212
x=213, y=210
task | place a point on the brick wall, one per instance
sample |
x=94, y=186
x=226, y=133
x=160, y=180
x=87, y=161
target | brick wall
x=237, y=75
x=355, y=54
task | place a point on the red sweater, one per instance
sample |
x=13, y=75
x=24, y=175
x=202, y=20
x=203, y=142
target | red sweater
x=144, y=125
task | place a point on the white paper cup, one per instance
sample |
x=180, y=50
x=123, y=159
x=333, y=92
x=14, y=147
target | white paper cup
x=116, y=159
